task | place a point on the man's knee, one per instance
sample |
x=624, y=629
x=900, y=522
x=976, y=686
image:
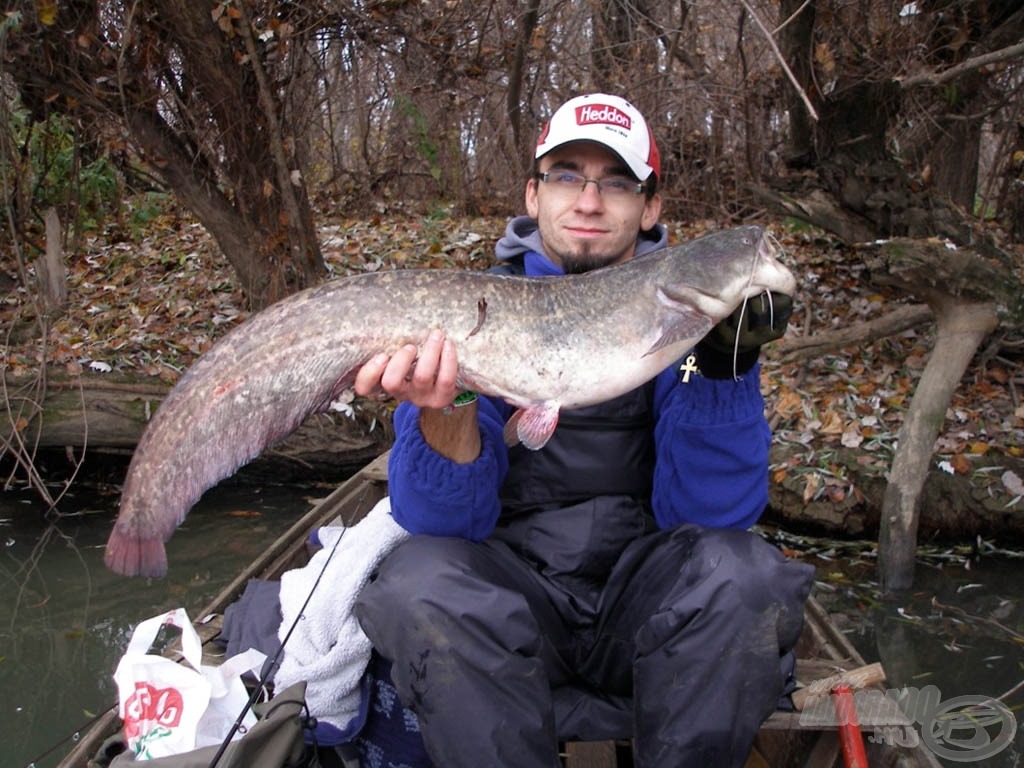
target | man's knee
x=407, y=584
x=435, y=592
x=728, y=582
x=752, y=571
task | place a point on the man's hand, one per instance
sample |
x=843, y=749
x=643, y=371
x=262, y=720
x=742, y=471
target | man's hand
x=755, y=322
x=426, y=378
x=423, y=376
x=732, y=346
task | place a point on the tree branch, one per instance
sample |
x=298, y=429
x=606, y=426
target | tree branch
x=796, y=348
x=938, y=78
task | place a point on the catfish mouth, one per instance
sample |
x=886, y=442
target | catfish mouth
x=686, y=297
x=780, y=279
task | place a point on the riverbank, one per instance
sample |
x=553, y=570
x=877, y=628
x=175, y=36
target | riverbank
x=145, y=305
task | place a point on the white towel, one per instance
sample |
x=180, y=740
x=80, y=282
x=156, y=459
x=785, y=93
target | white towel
x=328, y=649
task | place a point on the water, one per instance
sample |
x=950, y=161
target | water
x=65, y=619
x=960, y=629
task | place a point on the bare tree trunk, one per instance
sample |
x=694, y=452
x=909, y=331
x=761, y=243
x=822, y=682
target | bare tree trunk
x=961, y=328
x=171, y=79
x=53, y=286
x=796, y=39
x=201, y=196
x=514, y=95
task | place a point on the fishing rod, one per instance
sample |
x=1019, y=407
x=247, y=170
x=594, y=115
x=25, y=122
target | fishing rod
x=73, y=736
x=268, y=669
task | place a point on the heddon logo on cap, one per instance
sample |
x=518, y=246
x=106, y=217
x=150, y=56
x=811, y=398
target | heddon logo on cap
x=602, y=113
x=608, y=120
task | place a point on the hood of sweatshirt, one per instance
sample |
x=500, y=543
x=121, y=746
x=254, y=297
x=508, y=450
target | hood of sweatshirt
x=523, y=238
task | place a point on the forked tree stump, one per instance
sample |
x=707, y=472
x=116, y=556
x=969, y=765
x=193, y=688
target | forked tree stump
x=968, y=295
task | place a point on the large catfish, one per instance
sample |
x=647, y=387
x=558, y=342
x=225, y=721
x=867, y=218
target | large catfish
x=540, y=343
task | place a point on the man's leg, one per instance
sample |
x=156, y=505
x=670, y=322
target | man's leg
x=700, y=618
x=461, y=623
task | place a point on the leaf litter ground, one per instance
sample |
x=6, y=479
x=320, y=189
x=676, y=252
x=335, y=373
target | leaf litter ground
x=149, y=306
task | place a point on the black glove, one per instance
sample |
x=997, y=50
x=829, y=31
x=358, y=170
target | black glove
x=731, y=347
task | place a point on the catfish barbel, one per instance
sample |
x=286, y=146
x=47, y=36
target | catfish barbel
x=540, y=343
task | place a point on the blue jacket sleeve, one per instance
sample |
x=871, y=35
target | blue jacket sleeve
x=431, y=494
x=712, y=442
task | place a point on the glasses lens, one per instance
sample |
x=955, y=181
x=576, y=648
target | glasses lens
x=618, y=185
x=613, y=186
x=564, y=181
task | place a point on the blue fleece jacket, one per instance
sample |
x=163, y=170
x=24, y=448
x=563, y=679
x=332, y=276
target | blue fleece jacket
x=711, y=442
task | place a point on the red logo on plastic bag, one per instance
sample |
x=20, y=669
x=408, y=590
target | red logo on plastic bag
x=150, y=707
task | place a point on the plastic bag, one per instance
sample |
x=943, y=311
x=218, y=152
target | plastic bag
x=170, y=707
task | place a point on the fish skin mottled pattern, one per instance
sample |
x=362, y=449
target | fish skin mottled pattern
x=539, y=343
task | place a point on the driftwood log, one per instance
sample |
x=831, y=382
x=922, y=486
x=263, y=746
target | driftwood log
x=793, y=349
x=107, y=413
x=954, y=508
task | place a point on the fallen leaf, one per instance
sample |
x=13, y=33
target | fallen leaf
x=788, y=404
x=811, y=486
x=1012, y=483
x=47, y=12
x=961, y=464
x=831, y=423
x=852, y=437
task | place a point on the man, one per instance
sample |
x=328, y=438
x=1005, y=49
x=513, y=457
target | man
x=604, y=586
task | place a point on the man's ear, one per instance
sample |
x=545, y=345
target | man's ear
x=532, y=209
x=652, y=210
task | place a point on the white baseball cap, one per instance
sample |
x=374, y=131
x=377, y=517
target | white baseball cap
x=608, y=120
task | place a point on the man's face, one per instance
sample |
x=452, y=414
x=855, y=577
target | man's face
x=583, y=230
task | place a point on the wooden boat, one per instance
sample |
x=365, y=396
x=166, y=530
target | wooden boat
x=823, y=652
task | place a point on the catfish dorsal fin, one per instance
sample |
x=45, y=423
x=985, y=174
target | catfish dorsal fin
x=532, y=426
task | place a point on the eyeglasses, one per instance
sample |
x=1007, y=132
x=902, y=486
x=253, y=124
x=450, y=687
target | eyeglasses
x=613, y=186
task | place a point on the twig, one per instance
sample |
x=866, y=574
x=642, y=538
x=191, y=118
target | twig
x=782, y=60
x=984, y=620
x=792, y=16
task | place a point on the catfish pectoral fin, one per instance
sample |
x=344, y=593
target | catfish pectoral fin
x=510, y=433
x=682, y=325
x=129, y=554
x=532, y=426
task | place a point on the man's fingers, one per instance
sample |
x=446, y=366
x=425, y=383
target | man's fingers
x=399, y=372
x=448, y=368
x=367, y=381
x=424, y=374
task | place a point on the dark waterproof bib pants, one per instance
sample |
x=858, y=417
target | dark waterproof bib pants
x=578, y=620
